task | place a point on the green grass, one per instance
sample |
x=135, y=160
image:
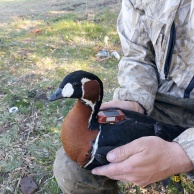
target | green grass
x=35, y=56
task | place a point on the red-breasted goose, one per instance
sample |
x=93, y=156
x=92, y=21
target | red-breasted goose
x=85, y=140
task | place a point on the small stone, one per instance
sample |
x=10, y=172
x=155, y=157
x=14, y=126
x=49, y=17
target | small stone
x=27, y=185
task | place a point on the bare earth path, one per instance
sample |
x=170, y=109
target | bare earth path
x=36, y=8
x=43, y=9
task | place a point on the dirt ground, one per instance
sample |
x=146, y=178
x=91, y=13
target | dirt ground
x=23, y=8
x=42, y=9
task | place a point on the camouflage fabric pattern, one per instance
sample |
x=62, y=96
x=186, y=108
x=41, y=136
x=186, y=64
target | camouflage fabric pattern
x=75, y=180
x=172, y=110
x=144, y=30
x=186, y=141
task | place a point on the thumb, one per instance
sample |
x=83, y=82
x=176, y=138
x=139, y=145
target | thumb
x=123, y=152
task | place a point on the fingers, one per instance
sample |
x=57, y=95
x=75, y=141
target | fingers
x=123, y=160
x=123, y=152
x=119, y=154
x=110, y=170
x=127, y=105
x=117, y=171
x=143, y=161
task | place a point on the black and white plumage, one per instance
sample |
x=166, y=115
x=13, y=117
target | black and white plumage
x=85, y=140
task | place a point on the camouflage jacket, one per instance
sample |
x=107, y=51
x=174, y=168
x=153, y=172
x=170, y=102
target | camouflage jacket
x=157, y=39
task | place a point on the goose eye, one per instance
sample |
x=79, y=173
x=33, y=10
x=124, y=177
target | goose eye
x=76, y=84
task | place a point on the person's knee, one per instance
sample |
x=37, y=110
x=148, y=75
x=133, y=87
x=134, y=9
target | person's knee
x=64, y=168
x=73, y=179
x=65, y=172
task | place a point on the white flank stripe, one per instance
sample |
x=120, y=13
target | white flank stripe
x=94, y=149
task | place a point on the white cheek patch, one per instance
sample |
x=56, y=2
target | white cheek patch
x=67, y=90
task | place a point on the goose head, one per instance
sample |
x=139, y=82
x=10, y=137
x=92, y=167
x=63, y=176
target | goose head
x=86, y=87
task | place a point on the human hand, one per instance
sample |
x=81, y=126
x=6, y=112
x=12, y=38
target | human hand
x=127, y=105
x=145, y=160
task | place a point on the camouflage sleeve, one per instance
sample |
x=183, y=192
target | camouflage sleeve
x=137, y=74
x=186, y=140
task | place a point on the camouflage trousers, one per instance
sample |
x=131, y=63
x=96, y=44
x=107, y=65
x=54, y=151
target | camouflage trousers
x=74, y=180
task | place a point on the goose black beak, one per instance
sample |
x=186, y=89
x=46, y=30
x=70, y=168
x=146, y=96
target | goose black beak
x=56, y=95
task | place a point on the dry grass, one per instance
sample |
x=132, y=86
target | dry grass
x=37, y=51
x=35, y=56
